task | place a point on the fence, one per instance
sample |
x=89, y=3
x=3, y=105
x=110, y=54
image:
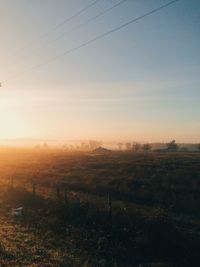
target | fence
x=61, y=194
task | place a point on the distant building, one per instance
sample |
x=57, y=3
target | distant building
x=101, y=150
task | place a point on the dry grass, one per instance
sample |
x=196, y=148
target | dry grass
x=155, y=209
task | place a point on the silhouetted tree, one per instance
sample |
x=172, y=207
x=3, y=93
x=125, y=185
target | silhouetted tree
x=146, y=147
x=45, y=146
x=120, y=146
x=83, y=146
x=37, y=146
x=128, y=146
x=136, y=147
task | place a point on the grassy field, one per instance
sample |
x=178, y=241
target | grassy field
x=120, y=209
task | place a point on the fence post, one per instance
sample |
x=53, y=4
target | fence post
x=11, y=184
x=58, y=192
x=65, y=196
x=109, y=205
x=34, y=190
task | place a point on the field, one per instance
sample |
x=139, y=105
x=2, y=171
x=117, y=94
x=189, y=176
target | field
x=117, y=209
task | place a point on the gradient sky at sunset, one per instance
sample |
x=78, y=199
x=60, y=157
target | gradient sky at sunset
x=141, y=83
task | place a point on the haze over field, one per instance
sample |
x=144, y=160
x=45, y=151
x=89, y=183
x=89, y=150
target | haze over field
x=139, y=83
x=100, y=133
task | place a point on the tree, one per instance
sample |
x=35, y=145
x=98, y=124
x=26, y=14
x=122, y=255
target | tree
x=45, y=146
x=120, y=146
x=136, y=147
x=146, y=147
x=37, y=146
x=83, y=146
x=172, y=146
x=128, y=146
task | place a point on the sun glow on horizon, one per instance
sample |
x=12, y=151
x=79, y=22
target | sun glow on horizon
x=11, y=121
x=79, y=113
x=145, y=87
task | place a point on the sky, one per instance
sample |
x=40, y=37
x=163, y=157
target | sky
x=140, y=83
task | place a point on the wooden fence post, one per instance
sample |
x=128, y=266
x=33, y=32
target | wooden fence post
x=58, y=192
x=11, y=184
x=109, y=205
x=34, y=190
x=65, y=196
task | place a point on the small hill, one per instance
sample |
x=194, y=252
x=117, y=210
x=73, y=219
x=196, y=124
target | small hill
x=101, y=150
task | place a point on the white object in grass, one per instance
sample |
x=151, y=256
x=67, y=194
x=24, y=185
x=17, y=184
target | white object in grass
x=17, y=212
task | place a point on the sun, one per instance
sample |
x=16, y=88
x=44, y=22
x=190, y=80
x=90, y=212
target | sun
x=11, y=122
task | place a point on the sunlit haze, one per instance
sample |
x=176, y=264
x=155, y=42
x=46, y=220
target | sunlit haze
x=140, y=83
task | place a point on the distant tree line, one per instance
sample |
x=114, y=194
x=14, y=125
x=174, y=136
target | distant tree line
x=136, y=147
x=83, y=146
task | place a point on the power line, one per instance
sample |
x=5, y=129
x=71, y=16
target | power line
x=84, y=23
x=72, y=17
x=101, y=36
x=88, y=21
x=60, y=24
